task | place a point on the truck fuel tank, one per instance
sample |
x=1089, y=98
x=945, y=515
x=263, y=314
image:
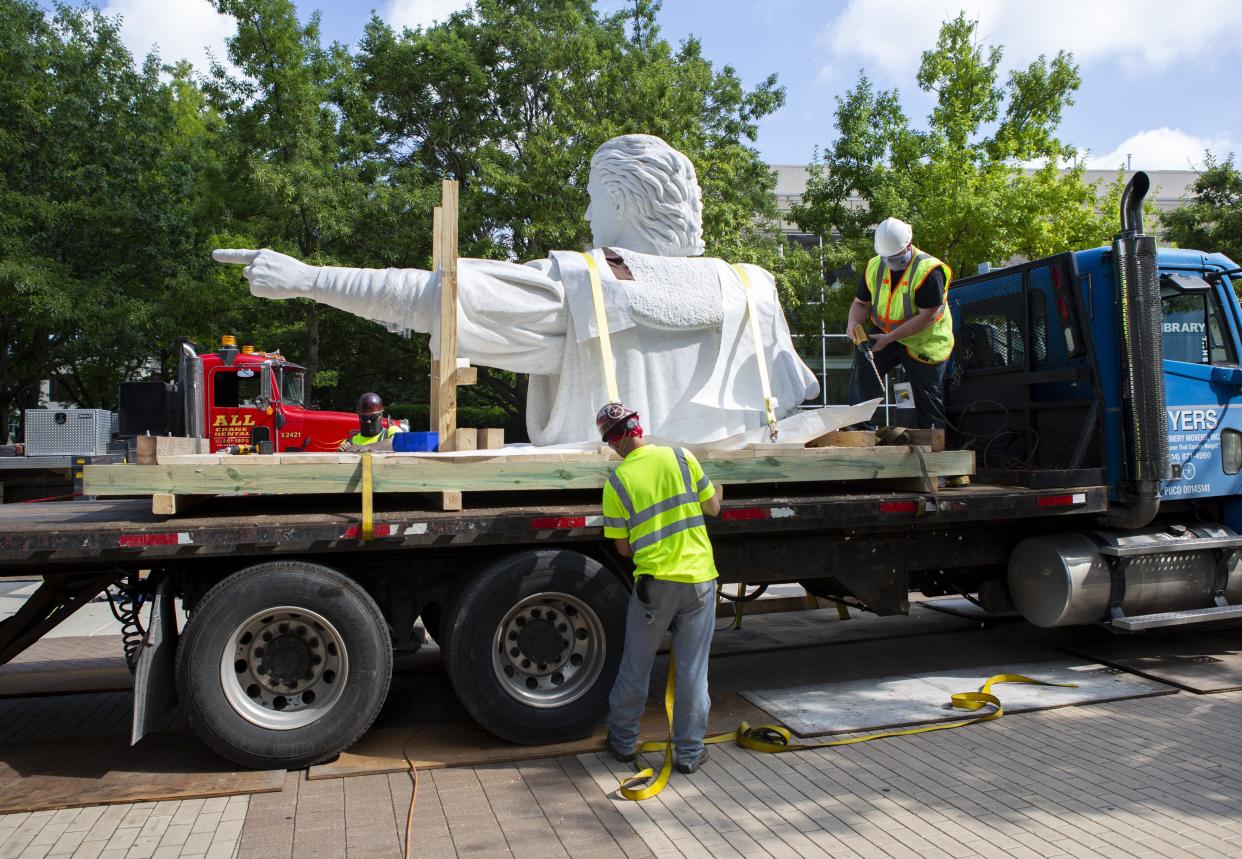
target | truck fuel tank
x=1065, y=579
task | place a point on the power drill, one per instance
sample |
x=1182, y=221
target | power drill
x=863, y=343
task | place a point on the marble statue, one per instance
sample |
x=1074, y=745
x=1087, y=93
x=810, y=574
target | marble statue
x=685, y=355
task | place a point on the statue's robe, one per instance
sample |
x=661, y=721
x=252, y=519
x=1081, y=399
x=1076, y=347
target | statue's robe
x=684, y=351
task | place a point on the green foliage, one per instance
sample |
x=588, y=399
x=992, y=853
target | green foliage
x=1212, y=219
x=118, y=181
x=105, y=193
x=960, y=182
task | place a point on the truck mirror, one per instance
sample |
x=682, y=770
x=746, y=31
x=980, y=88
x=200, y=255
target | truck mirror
x=264, y=400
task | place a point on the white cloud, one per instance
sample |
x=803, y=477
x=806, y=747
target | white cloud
x=1142, y=36
x=180, y=29
x=1164, y=149
x=420, y=13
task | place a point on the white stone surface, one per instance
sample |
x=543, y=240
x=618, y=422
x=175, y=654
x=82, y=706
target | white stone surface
x=686, y=359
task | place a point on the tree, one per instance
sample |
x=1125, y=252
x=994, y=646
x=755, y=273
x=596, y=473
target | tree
x=961, y=181
x=1212, y=219
x=102, y=207
x=512, y=100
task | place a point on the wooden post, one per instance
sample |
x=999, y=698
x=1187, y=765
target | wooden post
x=437, y=227
x=445, y=382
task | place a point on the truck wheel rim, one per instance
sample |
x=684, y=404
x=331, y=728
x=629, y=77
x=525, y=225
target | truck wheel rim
x=549, y=650
x=284, y=668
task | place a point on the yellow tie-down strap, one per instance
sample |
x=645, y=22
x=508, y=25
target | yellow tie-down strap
x=761, y=359
x=368, y=499
x=777, y=738
x=601, y=322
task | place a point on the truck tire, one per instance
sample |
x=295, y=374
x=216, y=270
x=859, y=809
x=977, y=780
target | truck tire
x=283, y=665
x=533, y=643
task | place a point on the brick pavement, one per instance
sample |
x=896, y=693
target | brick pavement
x=1159, y=776
x=208, y=828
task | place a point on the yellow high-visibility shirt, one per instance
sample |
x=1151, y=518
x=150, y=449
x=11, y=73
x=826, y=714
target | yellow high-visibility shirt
x=654, y=500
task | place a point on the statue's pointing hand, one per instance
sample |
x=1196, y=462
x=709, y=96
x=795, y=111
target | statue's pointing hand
x=271, y=273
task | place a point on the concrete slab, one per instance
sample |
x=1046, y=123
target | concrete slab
x=885, y=702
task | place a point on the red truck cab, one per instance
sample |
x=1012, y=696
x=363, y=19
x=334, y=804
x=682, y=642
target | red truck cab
x=252, y=397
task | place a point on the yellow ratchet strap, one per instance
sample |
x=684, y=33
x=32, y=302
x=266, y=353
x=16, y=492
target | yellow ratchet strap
x=368, y=507
x=769, y=413
x=601, y=322
x=641, y=785
x=774, y=739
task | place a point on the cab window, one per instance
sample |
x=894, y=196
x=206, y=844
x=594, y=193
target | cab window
x=235, y=390
x=1193, y=328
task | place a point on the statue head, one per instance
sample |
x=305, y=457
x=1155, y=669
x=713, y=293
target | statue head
x=645, y=197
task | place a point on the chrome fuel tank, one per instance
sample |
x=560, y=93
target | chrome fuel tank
x=1063, y=579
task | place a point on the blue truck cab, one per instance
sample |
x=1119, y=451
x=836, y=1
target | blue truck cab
x=1116, y=366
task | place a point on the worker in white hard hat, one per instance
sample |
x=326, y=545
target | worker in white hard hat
x=901, y=304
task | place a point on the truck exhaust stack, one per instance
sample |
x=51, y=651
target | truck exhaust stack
x=1142, y=362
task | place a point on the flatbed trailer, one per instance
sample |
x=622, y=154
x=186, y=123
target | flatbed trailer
x=1099, y=392
x=522, y=574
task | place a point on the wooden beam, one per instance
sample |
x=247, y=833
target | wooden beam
x=446, y=385
x=465, y=439
x=844, y=438
x=437, y=227
x=152, y=449
x=466, y=376
x=930, y=439
x=165, y=504
x=412, y=473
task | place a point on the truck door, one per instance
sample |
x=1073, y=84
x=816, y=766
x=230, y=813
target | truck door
x=1203, y=387
x=235, y=416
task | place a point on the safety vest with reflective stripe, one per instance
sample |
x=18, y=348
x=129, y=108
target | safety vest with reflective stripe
x=654, y=499
x=892, y=305
x=360, y=439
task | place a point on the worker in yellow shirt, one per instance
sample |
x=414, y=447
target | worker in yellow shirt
x=372, y=435
x=653, y=509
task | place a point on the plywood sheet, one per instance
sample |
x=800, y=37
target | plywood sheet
x=41, y=776
x=904, y=699
x=1196, y=661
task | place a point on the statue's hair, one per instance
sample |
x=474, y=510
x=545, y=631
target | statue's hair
x=656, y=186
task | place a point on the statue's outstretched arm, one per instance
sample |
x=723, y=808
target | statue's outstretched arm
x=510, y=316
x=397, y=295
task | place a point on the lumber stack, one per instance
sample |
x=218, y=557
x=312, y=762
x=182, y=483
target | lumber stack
x=491, y=471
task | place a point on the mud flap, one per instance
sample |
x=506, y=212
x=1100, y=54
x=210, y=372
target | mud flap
x=154, y=695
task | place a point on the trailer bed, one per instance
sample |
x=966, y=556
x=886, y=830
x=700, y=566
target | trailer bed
x=76, y=535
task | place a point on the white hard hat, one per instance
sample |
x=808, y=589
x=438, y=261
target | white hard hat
x=892, y=236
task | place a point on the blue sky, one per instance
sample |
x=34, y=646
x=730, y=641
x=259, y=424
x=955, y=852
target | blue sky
x=1161, y=80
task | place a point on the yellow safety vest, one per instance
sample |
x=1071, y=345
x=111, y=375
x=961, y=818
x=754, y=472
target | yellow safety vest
x=360, y=439
x=892, y=305
x=653, y=499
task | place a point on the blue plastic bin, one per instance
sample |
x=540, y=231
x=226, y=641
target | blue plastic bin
x=415, y=442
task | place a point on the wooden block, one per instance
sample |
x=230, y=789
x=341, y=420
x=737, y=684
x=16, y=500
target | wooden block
x=164, y=504
x=449, y=500
x=843, y=438
x=153, y=449
x=491, y=438
x=929, y=439
x=466, y=376
x=466, y=438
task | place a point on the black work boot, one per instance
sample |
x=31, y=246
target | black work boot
x=688, y=769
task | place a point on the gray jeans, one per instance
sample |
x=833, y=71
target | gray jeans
x=689, y=610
